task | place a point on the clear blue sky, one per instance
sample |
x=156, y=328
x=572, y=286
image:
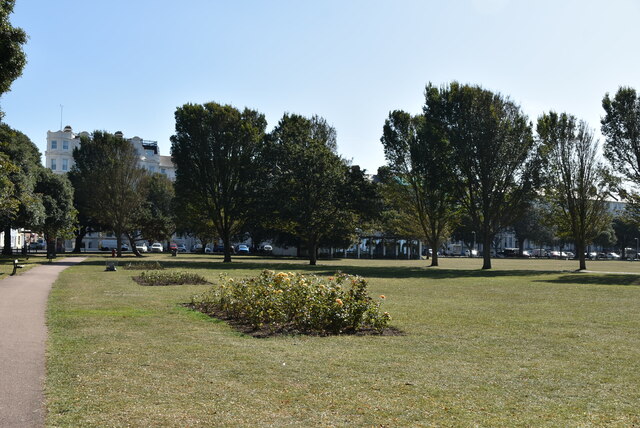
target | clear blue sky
x=126, y=65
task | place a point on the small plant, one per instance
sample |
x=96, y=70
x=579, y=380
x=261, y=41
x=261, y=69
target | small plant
x=143, y=266
x=155, y=277
x=289, y=302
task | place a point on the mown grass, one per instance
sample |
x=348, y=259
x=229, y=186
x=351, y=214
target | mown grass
x=529, y=344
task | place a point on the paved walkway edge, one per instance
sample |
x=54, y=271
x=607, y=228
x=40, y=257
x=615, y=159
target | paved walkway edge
x=23, y=338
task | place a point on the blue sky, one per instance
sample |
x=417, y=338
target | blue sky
x=126, y=65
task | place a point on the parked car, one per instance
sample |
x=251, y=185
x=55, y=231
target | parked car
x=592, y=255
x=526, y=253
x=570, y=255
x=268, y=248
x=156, y=247
x=242, y=249
x=173, y=247
x=613, y=256
x=142, y=247
x=182, y=248
x=197, y=248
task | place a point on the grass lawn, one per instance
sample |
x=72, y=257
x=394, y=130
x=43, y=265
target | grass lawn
x=530, y=343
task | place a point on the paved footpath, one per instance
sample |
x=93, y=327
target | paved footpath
x=23, y=335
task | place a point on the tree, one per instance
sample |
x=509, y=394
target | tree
x=419, y=155
x=312, y=184
x=12, y=57
x=214, y=149
x=23, y=208
x=626, y=230
x=494, y=154
x=156, y=216
x=576, y=182
x=116, y=182
x=57, y=197
x=621, y=128
x=534, y=225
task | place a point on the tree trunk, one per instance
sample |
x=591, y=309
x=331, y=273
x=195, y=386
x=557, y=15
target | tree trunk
x=313, y=253
x=227, y=247
x=132, y=243
x=119, y=244
x=51, y=246
x=486, y=251
x=520, y=246
x=82, y=232
x=581, y=256
x=7, y=251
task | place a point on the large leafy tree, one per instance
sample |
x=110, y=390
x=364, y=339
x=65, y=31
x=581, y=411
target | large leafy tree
x=57, y=197
x=621, y=128
x=114, y=184
x=22, y=208
x=215, y=149
x=419, y=154
x=576, y=182
x=494, y=154
x=12, y=56
x=312, y=184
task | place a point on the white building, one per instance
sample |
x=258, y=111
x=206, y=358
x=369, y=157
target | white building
x=60, y=145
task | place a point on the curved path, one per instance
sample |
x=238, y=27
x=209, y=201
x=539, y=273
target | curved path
x=23, y=335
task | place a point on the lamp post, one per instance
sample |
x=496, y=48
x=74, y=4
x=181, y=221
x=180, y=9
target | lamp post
x=474, y=244
x=636, y=257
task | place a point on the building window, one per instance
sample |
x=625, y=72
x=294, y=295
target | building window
x=65, y=164
x=149, y=152
x=163, y=170
x=53, y=164
x=65, y=145
x=54, y=145
x=152, y=168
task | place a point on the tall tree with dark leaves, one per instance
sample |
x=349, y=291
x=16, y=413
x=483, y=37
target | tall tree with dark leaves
x=214, y=149
x=24, y=207
x=576, y=182
x=56, y=193
x=419, y=154
x=12, y=56
x=495, y=158
x=311, y=184
x=115, y=181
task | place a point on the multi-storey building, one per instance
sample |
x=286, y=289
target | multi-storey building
x=60, y=145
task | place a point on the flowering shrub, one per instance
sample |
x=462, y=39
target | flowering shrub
x=155, y=277
x=296, y=303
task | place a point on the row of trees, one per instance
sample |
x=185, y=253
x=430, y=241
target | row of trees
x=472, y=156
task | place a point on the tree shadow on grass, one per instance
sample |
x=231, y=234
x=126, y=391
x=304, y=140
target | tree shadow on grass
x=598, y=279
x=286, y=265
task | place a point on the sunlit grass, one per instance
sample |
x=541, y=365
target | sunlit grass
x=530, y=343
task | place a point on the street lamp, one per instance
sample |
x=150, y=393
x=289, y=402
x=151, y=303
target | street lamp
x=636, y=257
x=474, y=244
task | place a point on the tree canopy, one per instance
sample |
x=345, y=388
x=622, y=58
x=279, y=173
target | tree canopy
x=12, y=56
x=214, y=149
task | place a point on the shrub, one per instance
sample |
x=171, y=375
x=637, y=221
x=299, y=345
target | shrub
x=143, y=266
x=155, y=277
x=288, y=302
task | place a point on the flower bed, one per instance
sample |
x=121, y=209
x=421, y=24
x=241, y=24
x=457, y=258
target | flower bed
x=169, y=278
x=295, y=303
x=143, y=266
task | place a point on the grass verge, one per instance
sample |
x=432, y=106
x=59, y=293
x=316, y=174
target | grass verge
x=523, y=345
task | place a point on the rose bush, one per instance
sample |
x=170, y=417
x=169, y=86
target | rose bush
x=291, y=302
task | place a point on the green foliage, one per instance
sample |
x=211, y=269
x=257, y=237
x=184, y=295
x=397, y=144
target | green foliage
x=153, y=265
x=156, y=277
x=57, y=197
x=13, y=58
x=495, y=157
x=621, y=128
x=576, y=183
x=156, y=215
x=292, y=302
x=107, y=174
x=420, y=157
x=314, y=196
x=214, y=149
